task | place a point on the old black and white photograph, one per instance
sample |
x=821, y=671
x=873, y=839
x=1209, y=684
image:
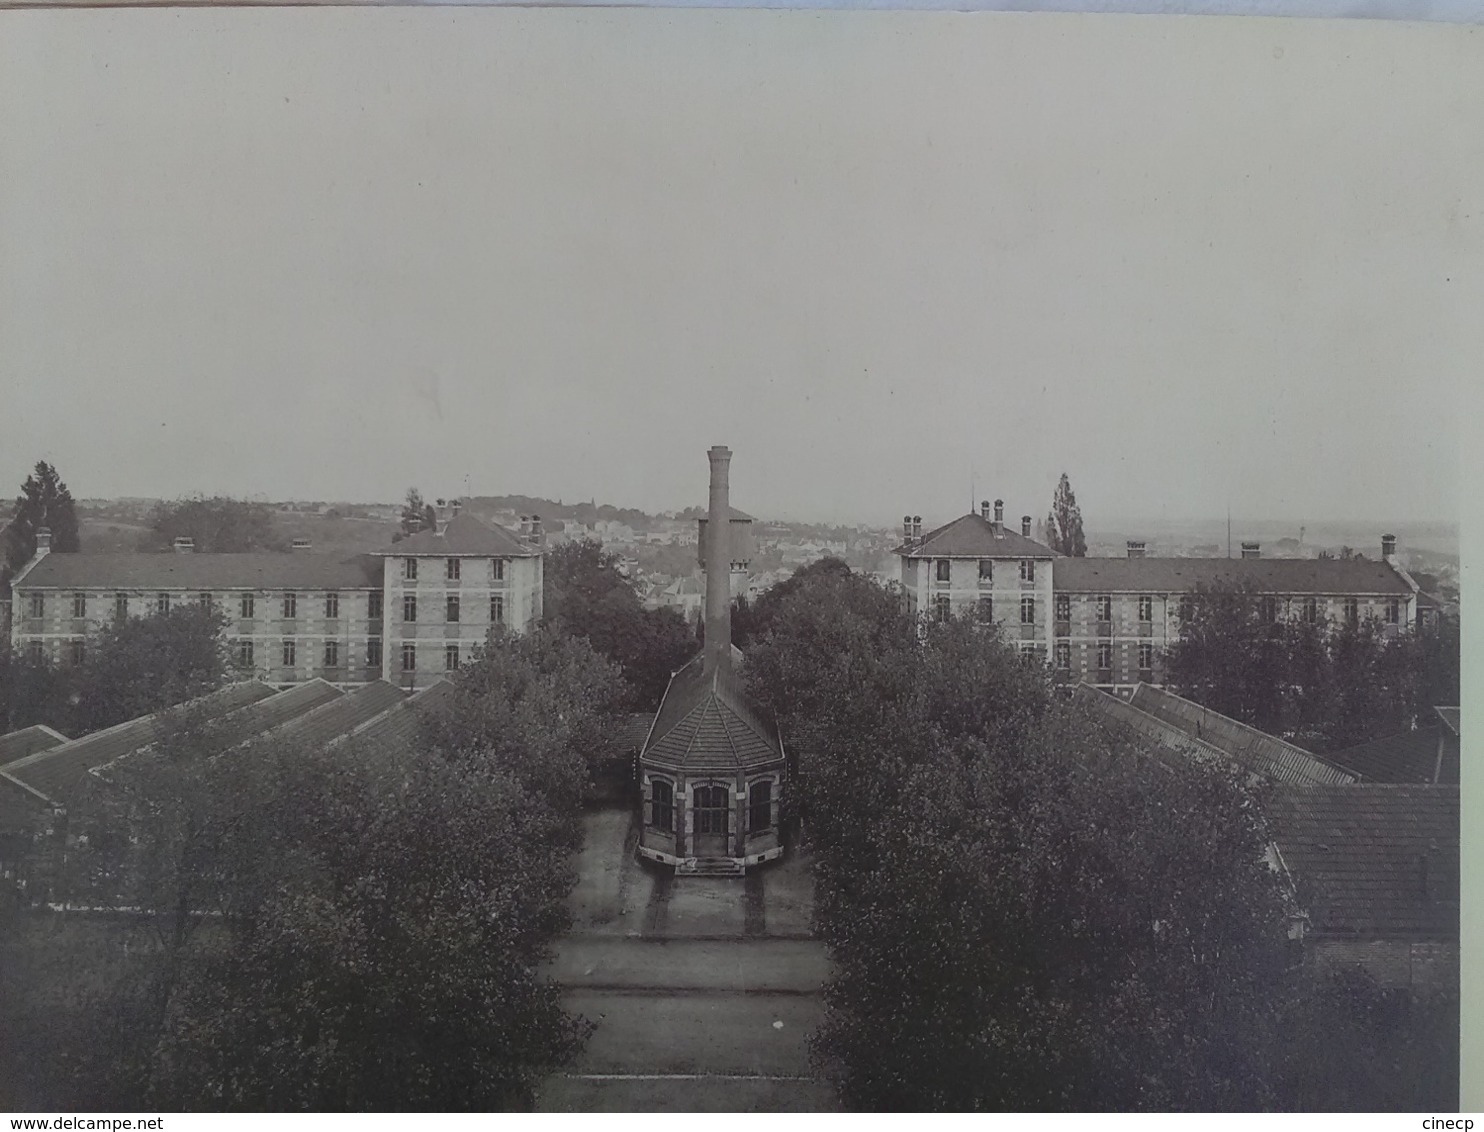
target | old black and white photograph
x=646, y=560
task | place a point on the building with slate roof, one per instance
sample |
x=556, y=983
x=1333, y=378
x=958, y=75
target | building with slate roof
x=406, y=614
x=1109, y=621
x=711, y=769
x=1427, y=754
x=1376, y=869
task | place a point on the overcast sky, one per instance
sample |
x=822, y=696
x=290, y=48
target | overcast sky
x=326, y=254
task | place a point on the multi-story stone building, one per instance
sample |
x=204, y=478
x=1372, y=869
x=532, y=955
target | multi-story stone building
x=976, y=567
x=407, y=614
x=1109, y=621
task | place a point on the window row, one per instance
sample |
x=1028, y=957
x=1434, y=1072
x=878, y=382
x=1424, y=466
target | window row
x=453, y=608
x=984, y=610
x=711, y=807
x=943, y=569
x=247, y=604
x=246, y=654
x=1104, y=656
x=453, y=568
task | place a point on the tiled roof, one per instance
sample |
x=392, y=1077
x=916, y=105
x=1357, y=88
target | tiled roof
x=1171, y=744
x=1409, y=756
x=633, y=732
x=1271, y=575
x=973, y=536
x=1248, y=747
x=53, y=773
x=1372, y=860
x=389, y=740
x=464, y=534
x=204, y=572
x=283, y=707
x=1449, y=716
x=27, y=741
x=706, y=723
x=340, y=716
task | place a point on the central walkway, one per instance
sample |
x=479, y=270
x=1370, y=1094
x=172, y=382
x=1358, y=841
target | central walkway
x=704, y=991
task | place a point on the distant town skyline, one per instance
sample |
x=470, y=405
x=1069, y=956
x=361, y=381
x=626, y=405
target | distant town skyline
x=896, y=265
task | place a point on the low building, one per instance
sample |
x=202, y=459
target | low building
x=407, y=614
x=1429, y=753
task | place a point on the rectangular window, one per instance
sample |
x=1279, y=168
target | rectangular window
x=451, y=657
x=1146, y=656
x=79, y=605
x=373, y=605
x=1311, y=611
x=1105, y=655
x=1352, y=612
x=497, y=609
x=247, y=607
x=986, y=570
x=1146, y=609
x=1393, y=612
x=409, y=607
x=1268, y=609
x=373, y=653
x=1105, y=608
x=290, y=654
x=409, y=569
x=38, y=605
x=986, y=609
x=1063, y=607
x=34, y=652
x=332, y=607
x=204, y=601
x=662, y=805
x=121, y=606
x=1027, y=611
x=409, y=658
x=453, y=607
x=943, y=608
x=244, y=654
x=497, y=569
x=76, y=651
x=1027, y=570
x=1063, y=655
x=332, y=654
x=451, y=570
x=945, y=569
x=290, y=606
x=760, y=807
x=162, y=603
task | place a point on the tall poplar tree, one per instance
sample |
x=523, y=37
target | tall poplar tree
x=1064, y=524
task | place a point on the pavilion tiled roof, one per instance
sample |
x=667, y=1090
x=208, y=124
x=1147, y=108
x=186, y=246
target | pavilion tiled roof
x=53, y=774
x=463, y=535
x=706, y=723
x=1330, y=576
x=343, y=714
x=1254, y=750
x=973, y=536
x=203, y=572
x=1372, y=860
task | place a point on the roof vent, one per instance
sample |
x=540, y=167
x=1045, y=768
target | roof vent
x=1252, y=550
x=300, y=544
x=1135, y=548
x=185, y=544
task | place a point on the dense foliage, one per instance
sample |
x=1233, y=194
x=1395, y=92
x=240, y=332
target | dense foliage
x=586, y=596
x=44, y=501
x=1022, y=911
x=130, y=668
x=354, y=929
x=216, y=525
x=1326, y=686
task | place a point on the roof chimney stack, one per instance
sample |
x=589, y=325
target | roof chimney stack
x=1025, y=526
x=907, y=530
x=299, y=545
x=984, y=510
x=1388, y=549
x=184, y=544
x=536, y=536
x=1135, y=549
x=454, y=506
x=718, y=655
x=1252, y=550
x=43, y=541
x=999, y=515
x=916, y=528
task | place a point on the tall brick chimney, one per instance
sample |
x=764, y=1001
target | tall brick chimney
x=984, y=510
x=718, y=656
x=1388, y=548
x=1025, y=526
x=999, y=514
x=43, y=541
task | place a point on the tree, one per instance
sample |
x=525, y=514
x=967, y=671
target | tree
x=1015, y=914
x=586, y=596
x=146, y=664
x=1064, y=523
x=44, y=502
x=417, y=515
x=217, y=525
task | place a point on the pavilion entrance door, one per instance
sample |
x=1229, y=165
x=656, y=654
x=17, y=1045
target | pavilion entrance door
x=711, y=808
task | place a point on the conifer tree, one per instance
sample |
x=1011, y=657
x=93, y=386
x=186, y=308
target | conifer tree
x=1064, y=524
